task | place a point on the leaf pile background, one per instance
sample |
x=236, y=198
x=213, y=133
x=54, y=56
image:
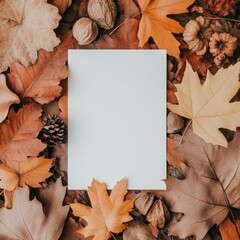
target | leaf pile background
x=202, y=200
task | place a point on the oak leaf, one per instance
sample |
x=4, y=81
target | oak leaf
x=108, y=213
x=228, y=230
x=211, y=186
x=26, y=26
x=208, y=105
x=7, y=98
x=49, y=70
x=30, y=172
x=18, y=135
x=30, y=220
x=155, y=23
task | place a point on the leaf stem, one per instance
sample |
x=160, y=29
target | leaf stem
x=185, y=130
x=112, y=235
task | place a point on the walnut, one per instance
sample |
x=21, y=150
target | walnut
x=85, y=31
x=103, y=12
x=197, y=34
x=222, y=43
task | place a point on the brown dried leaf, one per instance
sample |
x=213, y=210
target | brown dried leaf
x=18, y=135
x=174, y=158
x=63, y=105
x=62, y=5
x=49, y=70
x=26, y=26
x=228, y=230
x=128, y=9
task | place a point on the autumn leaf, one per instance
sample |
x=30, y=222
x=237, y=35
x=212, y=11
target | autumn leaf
x=62, y=5
x=29, y=220
x=30, y=172
x=18, y=135
x=173, y=158
x=49, y=70
x=7, y=98
x=63, y=105
x=26, y=26
x=211, y=186
x=155, y=23
x=228, y=230
x=208, y=105
x=108, y=213
x=128, y=9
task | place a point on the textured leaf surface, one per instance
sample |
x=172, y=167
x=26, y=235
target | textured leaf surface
x=208, y=105
x=211, y=186
x=49, y=70
x=18, y=135
x=155, y=23
x=30, y=172
x=7, y=98
x=108, y=213
x=26, y=26
x=29, y=220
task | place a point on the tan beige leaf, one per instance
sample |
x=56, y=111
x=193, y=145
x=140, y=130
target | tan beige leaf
x=208, y=105
x=30, y=220
x=63, y=105
x=18, y=135
x=26, y=26
x=49, y=70
x=7, y=98
x=30, y=172
x=108, y=213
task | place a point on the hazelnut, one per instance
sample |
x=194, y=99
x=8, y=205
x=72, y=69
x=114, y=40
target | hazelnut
x=85, y=31
x=103, y=12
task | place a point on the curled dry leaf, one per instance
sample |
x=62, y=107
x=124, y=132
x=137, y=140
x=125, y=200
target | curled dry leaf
x=63, y=105
x=211, y=186
x=62, y=5
x=155, y=23
x=144, y=201
x=18, y=135
x=7, y=98
x=108, y=213
x=30, y=220
x=26, y=26
x=49, y=70
x=208, y=105
x=30, y=172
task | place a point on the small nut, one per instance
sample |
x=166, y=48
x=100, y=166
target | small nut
x=174, y=123
x=103, y=12
x=144, y=201
x=85, y=31
x=158, y=215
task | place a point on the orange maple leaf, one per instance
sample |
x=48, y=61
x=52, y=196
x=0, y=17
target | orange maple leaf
x=30, y=172
x=155, y=23
x=108, y=213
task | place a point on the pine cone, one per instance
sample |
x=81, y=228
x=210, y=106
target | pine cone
x=54, y=131
x=220, y=7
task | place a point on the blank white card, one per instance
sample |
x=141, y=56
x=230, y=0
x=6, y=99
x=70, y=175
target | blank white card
x=117, y=118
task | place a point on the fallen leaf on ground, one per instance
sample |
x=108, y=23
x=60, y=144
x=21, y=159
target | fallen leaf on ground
x=30, y=172
x=63, y=105
x=228, y=230
x=49, y=70
x=26, y=26
x=175, y=159
x=211, y=186
x=208, y=105
x=128, y=9
x=60, y=152
x=18, y=135
x=30, y=220
x=108, y=213
x=155, y=23
x=7, y=98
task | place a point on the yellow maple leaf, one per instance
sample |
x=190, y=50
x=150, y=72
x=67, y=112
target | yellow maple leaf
x=208, y=105
x=155, y=23
x=108, y=213
x=30, y=172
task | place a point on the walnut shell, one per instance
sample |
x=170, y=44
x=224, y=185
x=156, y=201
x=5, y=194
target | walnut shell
x=144, y=201
x=85, y=31
x=103, y=12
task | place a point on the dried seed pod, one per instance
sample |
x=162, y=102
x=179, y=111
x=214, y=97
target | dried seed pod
x=103, y=12
x=222, y=43
x=158, y=214
x=197, y=33
x=144, y=201
x=85, y=31
x=175, y=123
